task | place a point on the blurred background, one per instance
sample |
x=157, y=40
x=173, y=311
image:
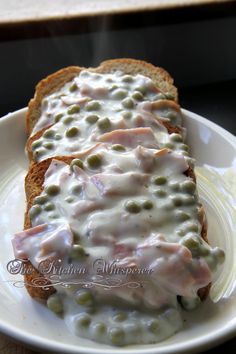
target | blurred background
x=194, y=40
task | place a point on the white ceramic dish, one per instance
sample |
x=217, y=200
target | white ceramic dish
x=30, y=322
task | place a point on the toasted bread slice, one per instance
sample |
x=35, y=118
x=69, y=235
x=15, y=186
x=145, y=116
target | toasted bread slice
x=35, y=177
x=33, y=186
x=129, y=66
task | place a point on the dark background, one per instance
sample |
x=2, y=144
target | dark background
x=196, y=45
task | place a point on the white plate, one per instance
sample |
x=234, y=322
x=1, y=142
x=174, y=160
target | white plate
x=30, y=322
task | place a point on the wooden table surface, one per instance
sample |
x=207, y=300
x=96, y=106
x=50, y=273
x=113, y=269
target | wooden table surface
x=15, y=11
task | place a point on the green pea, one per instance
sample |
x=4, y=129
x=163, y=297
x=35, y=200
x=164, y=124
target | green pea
x=185, y=153
x=58, y=117
x=54, y=216
x=94, y=161
x=174, y=186
x=73, y=87
x=104, y=124
x=148, y=204
x=184, y=147
x=180, y=232
x=127, y=115
x=100, y=328
x=74, y=109
x=68, y=120
x=49, y=134
x=211, y=262
x=76, y=162
x=177, y=201
x=55, y=304
x=127, y=78
x=181, y=215
x=177, y=138
x=109, y=80
x=132, y=207
x=161, y=193
x=192, y=227
x=36, y=144
x=219, y=254
x=204, y=251
x=119, y=94
x=77, y=252
x=83, y=320
x=58, y=137
x=169, y=96
x=191, y=243
x=52, y=190
x=113, y=87
x=92, y=119
x=39, y=153
x=84, y=298
x=120, y=316
x=116, y=335
x=159, y=180
x=41, y=199
x=188, y=186
x=69, y=199
x=93, y=106
x=138, y=96
x=49, y=206
x=72, y=132
x=35, y=210
x=142, y=89
x=118, y=147
x=128, y=103
x=188, y=200
x=76, y=189
x=154, y=326
x=172, y=117
x=48, y=146
x=169, y=146
x=159, y=96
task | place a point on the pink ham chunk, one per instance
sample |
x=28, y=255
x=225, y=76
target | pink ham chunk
x=119, y=184
x=93, y=92
x=174, y=266
x=69, y=100
x=131, y=137
x=43, y=242
x=19, y=239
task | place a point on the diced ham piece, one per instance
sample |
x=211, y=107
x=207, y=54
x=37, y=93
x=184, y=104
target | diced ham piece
x=119, y=184
x=146, y=158
x=131, y=137
x=69, y=100
x=42, y=242
x=86, y=206
x=93, y=92
x=19, y=239
x=145, y=110
x=174, y=266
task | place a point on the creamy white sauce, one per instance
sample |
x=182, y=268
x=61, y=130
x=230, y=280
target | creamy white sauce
x=92, y=205
x=106, y=96
x=129, y=217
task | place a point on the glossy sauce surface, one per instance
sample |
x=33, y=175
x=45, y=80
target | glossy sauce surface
x=122, y=201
